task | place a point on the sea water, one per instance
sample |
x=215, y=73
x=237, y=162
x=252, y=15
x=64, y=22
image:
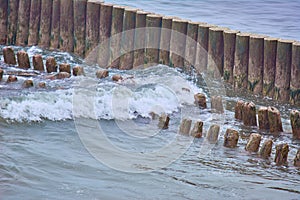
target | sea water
x=49, y=138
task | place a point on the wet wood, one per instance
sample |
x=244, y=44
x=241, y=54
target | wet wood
x=295, y=75
x=274, y=120
x=23, y=60
x=281, y=155
x=266, y=149
x=165, y=39
x=3, y=21
x=213, y=133
x=55, y=24
x=45, y=23
x=13, y=6
x=34, y=22
x=66, y=26
x=185, y=126
x=253, y=142
x=197, y=130
x=9, y=56
x=79, y=27
x=231, y=138
x=295, y=123
x=23, y=22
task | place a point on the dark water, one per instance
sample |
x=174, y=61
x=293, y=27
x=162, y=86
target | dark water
x=275, y=18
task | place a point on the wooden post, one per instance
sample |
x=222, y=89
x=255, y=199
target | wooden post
x=9, y=56
x=295, y=123
x=249, y=114
x=197, y=129
x=256, y=63
x=3, y=21
x=55, y=24
x=66, y=26
x=239, y=109
x=295, y=74
x=37, y=62
x=178, y=41
x=23, y=60
x=215, y=62
x=266, y=149
x=229, y=49
x=231, y=138
x=270, y=49
x=92, y=26
x=217, y=104
x=45, y=23
x=202, y=47
x=65, y=67
x=185, y=126
x=116, y=32
x=263, y=119
x=23, y=22
x=34, y=22
x=213, y=133
x=79, y=27
x=191, y=46
x=104, y=34
x=165, y=39
x=283, y=70
x=274, y=120
x=241, y=57
x=200, y=100
x=153, y=25
x=297, y=159
x=253, y=142
x=13, y=6
x=127, y=42
x=164, y=121
x=51, y=65
x=282, y=151
x=139, y=39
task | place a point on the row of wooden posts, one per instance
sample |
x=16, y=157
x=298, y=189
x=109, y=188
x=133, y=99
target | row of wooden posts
x=269, y=119
x=261, y=64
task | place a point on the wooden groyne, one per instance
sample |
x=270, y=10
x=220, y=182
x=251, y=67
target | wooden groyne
x=260, y=64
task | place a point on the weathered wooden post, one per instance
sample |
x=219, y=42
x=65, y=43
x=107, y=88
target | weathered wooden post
x=270, y=49
x=139, y=39
x=66, y=26
x=116, y=32
x=153, y=31
x=65, y=67
x=217, y=104
x=164, y=121
x=241, y=58
x=79, y=27
x=215, y=51
x=9, y=56
x=55, y=24
x=92, y=26
x=37, y=62
x=104, y=34
x=51, y=65
x=239, y=106
x=249, y=114
x=3, y=21
x=274, y=120
x=23, y=22
x=256, y=63
x=27, y=84
x=231, y=138
x=253, y=143
x=295, y=74
x=11, y=79
x=165, y=39
x=282, y=151
x=297, y=159
x=13, y=6
x=283, y=70
x=266, y=149
x=295, y=123
x=45, y=23
x=78, y=71
x=213, y=133
x=197, y=129
x=202, y=47
x=200, y=100
x=263, y=119
x=191, y=46
x=185, y=126
x=34, y=22
x=23, y=60
x=229, y=49
x=178, y=41
x=1, y=74
x=127, y=41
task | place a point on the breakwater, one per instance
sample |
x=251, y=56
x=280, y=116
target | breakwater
x=133, y=38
